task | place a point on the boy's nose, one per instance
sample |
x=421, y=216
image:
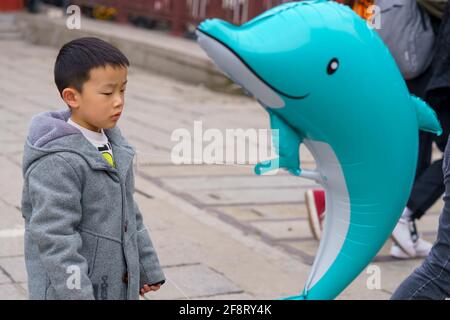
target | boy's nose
x=119, y=102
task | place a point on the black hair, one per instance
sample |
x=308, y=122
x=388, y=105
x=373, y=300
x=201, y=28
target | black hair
x=77, y=58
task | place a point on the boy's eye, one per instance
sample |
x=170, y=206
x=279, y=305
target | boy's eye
x=107, y=93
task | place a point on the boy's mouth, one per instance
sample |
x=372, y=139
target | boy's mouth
x=116, y=116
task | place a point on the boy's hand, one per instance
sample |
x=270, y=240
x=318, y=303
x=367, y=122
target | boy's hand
x=147, y=288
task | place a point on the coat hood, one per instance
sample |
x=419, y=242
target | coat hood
x=50, y=133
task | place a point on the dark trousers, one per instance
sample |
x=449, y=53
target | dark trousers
x=432, y=279
x=429, y=182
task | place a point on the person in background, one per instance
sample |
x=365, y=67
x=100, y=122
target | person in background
x=432, y=279
x=32, y=6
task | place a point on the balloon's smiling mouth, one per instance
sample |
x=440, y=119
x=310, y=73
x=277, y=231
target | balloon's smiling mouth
x=240, y=72
x=296, y=98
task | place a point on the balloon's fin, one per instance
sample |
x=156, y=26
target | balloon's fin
x=286, y=142
x=427, y=118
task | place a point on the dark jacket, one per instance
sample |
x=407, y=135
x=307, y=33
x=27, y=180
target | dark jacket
x=438, y=89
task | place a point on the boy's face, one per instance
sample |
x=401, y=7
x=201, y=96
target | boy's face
x=101, y=102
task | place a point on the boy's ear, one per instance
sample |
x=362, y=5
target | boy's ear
x=71, y=97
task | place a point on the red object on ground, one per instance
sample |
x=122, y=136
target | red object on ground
x=315, y=205
x=319, y=199
x=11, y=5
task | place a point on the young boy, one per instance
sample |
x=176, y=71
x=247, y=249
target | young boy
x=85, y=237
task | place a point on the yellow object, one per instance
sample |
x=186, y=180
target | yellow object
x=104, y=13
x=109, y=159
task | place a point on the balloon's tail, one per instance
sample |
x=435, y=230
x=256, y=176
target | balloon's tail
x=301, y=297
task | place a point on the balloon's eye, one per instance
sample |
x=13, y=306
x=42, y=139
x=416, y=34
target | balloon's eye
x=333, y=66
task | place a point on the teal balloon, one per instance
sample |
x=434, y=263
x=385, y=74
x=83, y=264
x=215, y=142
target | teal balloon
x=328, y=81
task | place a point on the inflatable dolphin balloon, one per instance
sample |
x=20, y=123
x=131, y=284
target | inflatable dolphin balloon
x=328, y=81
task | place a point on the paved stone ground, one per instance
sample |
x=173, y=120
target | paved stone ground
x=221, y=232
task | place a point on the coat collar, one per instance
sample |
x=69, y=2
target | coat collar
x=50, y=133
x=123, y=153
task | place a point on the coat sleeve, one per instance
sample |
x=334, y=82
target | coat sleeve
x=55, y=193
x=150, y=269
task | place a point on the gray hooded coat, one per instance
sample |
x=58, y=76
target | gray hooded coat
x=84, y=234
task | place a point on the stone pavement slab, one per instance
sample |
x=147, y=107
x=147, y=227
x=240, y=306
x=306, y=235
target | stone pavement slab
x=12, y=292
x=195, y=281
x=15, y=268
